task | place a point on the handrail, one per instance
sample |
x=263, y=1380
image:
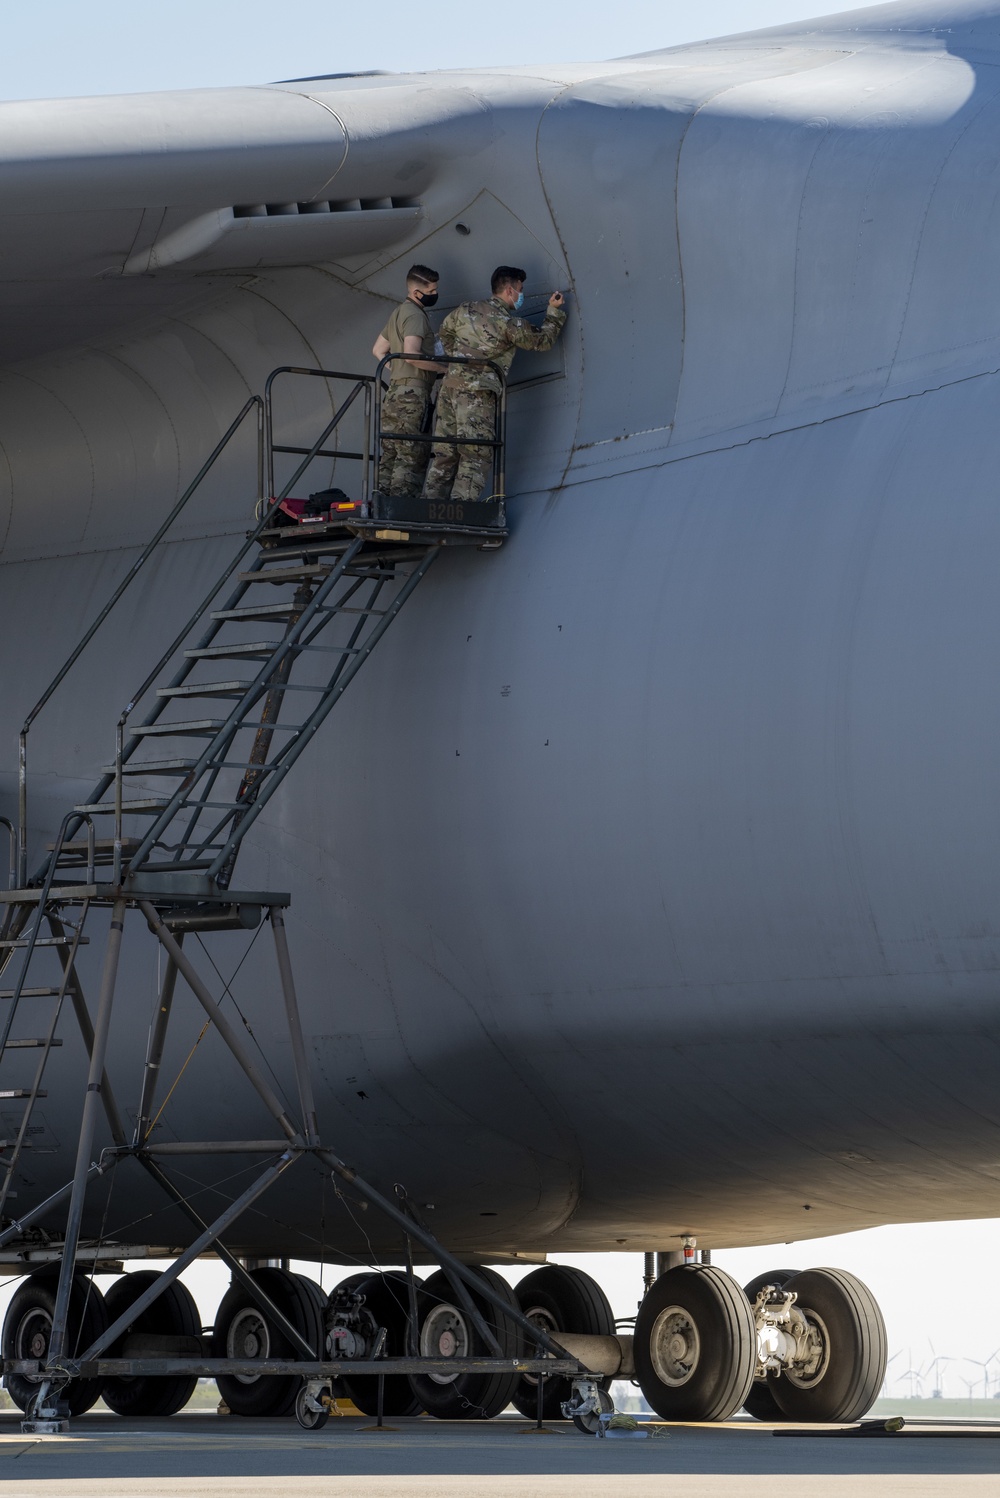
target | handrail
x=360, y=382
x=498, y=442
x=253, y=403
x=15, y=998
x=12, y=838
x=267, y=504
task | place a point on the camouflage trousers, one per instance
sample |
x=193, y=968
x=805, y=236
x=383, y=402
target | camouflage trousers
x=402, y=464
x=455, y=471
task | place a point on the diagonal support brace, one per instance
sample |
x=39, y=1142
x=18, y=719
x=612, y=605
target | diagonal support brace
x=249, y=1067
x=203, y=1241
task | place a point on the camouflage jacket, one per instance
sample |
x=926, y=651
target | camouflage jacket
x=490, y=330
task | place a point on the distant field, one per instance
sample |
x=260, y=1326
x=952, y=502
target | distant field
x=943, y=1409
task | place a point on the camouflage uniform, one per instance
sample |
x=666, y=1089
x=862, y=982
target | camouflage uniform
x=404, y=405
x=466, y=405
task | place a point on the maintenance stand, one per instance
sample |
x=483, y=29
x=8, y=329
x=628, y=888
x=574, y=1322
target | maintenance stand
x=292, y=618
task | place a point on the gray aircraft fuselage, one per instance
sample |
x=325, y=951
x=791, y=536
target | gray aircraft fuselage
x=646, y=881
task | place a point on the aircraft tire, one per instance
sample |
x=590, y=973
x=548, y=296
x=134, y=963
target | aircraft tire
x=847, y=1384
x=386, y=1298
x=695, y=1344
x=561, y=1299
x=174, y=1314
x=465, y=1396
x=760, y=1402
x=28, y=1323
x=243, y=1330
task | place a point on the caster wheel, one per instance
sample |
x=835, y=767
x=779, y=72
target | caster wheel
x=307, y=1417
x=590, y=1423
x=695, y=1344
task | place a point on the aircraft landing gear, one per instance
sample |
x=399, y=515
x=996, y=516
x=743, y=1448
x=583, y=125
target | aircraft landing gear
x=447, y=1330
x=358, y=1307
x=821, y=1345
x=243, y=1330
x=173, y=1316
x=695, y=1344
x=27, y=1328
x=558, y=1299
x=760, y=1402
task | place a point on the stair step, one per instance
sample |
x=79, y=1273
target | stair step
x=207, y=689
x=259, y=650
x=95, y=808
x=101, y=845
x=285, y=574
x=33, y=993
x=194, y=728
x=31, y=1045
x=8, y=1093
x=153, y=767
x=44, y=941
x=250, y=612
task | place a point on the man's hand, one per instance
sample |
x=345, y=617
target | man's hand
x=556, y=299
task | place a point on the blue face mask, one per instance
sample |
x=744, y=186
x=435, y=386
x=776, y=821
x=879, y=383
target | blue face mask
x=520, y=301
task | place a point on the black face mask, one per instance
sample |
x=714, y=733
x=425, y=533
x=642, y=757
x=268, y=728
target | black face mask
x=427, y=298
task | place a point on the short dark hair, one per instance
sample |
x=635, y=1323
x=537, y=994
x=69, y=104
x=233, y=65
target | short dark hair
x=507, y=275
x=421, y=275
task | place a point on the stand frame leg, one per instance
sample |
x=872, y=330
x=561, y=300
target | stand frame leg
x=88, y=1126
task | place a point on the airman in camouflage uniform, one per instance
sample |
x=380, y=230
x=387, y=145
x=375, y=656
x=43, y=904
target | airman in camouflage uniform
x=467, y=400
x=405, y=403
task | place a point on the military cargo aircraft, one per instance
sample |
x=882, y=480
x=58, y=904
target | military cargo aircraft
x=644, y=885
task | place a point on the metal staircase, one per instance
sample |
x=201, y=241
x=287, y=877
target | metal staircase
x=335, y=600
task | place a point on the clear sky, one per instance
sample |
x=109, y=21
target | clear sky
x=62, y=47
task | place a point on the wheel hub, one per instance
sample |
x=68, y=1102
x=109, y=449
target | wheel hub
x=32, y=1336
x=812, y=1354
x=248, y=1337
x=444, y=1334
x=546, y=1322
x=674, y=1346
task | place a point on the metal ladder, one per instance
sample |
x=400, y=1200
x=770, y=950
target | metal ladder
x=335, y=601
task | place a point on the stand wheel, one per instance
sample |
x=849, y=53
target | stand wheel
x=174, y=1314
x=590, y=1423
x=842, y=1381
x=27, y=1328
x=387, y=1299
x=558, y=1299
x=307, y=1417
x=446, y=1331
x=244, y=1331
x=760, y=1402
x=695, y=1344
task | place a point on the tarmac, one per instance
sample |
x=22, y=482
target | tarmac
x=211, y=1456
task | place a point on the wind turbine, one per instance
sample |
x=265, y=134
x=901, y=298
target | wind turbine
x=938, y=1359
x=984, y=1365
